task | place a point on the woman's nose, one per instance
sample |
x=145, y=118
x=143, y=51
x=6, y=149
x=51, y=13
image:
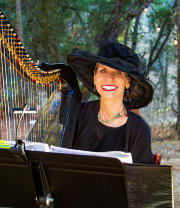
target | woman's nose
x=110, y=76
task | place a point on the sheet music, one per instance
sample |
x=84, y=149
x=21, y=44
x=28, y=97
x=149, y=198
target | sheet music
x=37, y=146
x=122, y=156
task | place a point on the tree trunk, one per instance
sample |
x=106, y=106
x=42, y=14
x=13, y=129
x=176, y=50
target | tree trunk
x=135, y=28
x=19, y=26
x=126, y=35
x=178, y=69
x=120, y=18
x=135, y=33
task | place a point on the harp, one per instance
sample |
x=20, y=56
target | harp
x=50, y=91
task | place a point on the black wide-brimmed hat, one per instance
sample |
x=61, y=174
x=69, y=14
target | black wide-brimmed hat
x=117, y=56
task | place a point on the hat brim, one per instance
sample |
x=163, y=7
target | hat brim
x=83, y=64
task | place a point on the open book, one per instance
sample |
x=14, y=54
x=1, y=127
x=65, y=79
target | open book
x=37, y=146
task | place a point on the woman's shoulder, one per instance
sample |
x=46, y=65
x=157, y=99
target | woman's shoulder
x=138, y=121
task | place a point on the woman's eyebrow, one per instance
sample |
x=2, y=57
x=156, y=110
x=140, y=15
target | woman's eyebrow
x=102, y=67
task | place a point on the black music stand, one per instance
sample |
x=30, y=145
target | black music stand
x=82, y=181
x=89, y=181
x=149, y=185
x=16, y=181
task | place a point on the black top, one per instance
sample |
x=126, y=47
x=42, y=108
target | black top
x=113, y=140
x=89, y=133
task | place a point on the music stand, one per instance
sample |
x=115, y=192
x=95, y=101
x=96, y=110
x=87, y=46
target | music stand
x=16, y=182
x=82, y=181
x=149, y=185
x=89, y=181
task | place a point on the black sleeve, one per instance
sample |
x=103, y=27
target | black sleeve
x=80, y=122
x=141, y=146
x=77, y=128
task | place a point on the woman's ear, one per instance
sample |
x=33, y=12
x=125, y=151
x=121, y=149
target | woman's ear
x=128, y=82
x=94, y=78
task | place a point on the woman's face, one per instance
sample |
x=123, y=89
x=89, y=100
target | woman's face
x=110, y=83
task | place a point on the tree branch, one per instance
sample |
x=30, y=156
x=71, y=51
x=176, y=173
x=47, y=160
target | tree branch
x=118, y=5
x=131, y=14
x=158, y=53
x=115, y=28
x=131, y=8
x=46, y=34
x=77, y=14
x=162, y=46
x=112, y=29
x=135, y=33
x=126, y=34
x=173, y=101
x=34, y=13
x=19, y=25
x=157, y=41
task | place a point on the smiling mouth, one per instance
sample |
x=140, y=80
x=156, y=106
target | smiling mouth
x=109, y=87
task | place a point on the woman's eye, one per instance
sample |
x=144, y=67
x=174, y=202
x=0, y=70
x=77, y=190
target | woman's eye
x=103, y=70
x=118, y=72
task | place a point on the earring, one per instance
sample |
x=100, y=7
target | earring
x=94, y=89
x=128, y=90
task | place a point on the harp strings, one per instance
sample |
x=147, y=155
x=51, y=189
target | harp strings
x=2, y=98
x=16, y=91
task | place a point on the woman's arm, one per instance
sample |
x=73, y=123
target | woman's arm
x=140, y=144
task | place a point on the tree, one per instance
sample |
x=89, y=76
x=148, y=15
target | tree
x=53, y=28
x=19, y=26
x=178, y=67
x=123, y=13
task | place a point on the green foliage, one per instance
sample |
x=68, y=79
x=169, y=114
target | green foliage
x=53, y=28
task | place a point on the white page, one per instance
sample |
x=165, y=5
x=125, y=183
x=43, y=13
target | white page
x=37, y=146
x=122, y=156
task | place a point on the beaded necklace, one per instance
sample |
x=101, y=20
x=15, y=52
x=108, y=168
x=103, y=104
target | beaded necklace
x=105, y=122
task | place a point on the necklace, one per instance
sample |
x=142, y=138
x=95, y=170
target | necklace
x=105, y=122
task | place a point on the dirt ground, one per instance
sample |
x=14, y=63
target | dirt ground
x=170, y=152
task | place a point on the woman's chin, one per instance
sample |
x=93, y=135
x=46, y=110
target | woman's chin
x=109, y=95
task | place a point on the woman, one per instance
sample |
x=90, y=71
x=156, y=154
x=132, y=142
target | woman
x=116, y=75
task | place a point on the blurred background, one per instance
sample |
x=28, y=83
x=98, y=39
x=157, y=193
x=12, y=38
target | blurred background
x=49, y=30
